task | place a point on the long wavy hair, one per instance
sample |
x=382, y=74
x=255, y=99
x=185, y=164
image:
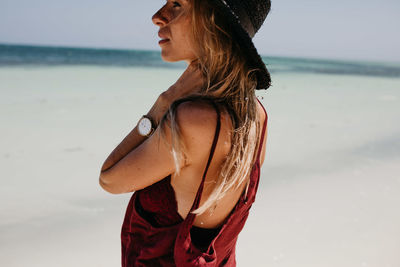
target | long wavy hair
x=228, y=80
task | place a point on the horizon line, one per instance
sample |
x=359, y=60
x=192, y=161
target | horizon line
x=343, y=60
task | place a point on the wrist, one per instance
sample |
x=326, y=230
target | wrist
x=145, y=126
x=168, y=96
x=159, y=108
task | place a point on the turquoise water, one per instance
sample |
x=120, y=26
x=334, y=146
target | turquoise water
x=42, y=55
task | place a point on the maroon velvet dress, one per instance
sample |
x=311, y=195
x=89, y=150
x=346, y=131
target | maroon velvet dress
x=154, y=234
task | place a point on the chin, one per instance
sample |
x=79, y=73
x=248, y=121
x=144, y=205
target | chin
x=170, y=58
x=166, y=59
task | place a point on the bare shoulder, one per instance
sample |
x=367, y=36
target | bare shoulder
x=260, y=109
x=197, y=122
x=196, y=114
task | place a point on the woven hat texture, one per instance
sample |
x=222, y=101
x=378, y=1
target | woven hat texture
x=246, y=18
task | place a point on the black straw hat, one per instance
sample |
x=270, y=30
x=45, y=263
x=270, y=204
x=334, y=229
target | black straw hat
x=246, y=18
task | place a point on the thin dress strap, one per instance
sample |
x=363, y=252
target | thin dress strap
x=199, y=192
x=262, y=133
x=259, y=147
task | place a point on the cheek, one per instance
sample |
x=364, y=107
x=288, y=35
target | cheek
x=185, y=33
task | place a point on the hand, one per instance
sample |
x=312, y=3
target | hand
x=191, y=81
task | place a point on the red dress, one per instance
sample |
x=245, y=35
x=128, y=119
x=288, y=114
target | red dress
x=154, y=234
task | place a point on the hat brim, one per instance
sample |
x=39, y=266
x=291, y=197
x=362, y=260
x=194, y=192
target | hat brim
x=245, y=42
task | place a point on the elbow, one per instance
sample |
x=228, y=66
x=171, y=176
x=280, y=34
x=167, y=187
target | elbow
x=109, y=186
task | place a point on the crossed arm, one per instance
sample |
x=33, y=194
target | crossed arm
x=134, y=139
x=139, y=161
x=127, y=145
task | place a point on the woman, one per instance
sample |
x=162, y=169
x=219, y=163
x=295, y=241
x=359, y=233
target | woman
x=194, y=159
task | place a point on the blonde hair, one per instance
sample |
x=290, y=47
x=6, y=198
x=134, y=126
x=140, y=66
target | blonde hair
x=228, y=80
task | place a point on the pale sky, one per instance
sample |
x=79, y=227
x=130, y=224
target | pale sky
x=341, y=29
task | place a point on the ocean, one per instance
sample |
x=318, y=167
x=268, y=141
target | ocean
x=329, y=192
x=16, y=55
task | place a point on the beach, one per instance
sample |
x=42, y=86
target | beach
x=329, y=192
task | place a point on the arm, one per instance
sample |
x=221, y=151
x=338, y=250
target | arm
x=189, y=82
x=134, y=139
x=147, y=163
x=152, y=160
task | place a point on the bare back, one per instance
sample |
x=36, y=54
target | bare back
x=187, y=183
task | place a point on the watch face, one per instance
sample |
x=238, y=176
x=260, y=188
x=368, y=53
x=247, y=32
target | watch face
x=144, y=126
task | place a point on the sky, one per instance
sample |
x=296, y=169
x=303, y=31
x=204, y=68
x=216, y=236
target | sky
x=341, y=29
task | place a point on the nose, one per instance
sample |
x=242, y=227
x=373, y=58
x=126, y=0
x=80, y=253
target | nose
x=159, y=19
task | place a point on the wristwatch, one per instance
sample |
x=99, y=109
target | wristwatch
x=145, y=126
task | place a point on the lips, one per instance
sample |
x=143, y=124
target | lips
x=163, y=37
x=163, y=41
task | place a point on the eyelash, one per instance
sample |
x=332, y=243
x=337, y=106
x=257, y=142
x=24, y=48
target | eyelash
x=175, y=3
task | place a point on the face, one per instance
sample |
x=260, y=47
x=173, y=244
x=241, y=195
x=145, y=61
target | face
x=174, y=20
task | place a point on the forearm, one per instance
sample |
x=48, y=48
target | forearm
x=134, y=139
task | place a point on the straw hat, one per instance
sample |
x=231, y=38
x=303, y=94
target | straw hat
x=246, y=18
